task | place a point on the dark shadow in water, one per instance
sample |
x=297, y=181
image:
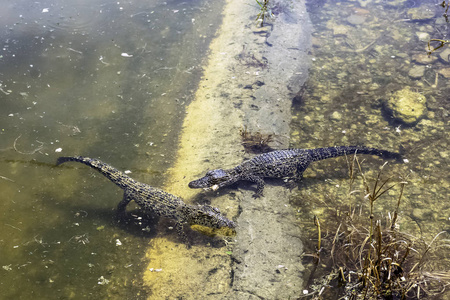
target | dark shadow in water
x=135, y=222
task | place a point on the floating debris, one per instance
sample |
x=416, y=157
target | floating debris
x=102, y=280
x=154, y=270
x=7, y=268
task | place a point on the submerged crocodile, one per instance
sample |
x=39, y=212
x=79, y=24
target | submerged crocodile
x=280, y=163
x=157, y=201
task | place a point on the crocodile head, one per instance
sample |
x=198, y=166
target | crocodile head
x=213, y=179
x=210, y=221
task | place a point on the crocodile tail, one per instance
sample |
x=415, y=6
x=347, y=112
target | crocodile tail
x=324, y=153
x=116, y=176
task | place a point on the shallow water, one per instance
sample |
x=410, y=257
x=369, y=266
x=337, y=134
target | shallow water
x=354, y=71
x=102, y=79
x=364, y=51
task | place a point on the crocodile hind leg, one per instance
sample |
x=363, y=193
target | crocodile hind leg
x=293, y=181
x=180, y=230
x=123, y=204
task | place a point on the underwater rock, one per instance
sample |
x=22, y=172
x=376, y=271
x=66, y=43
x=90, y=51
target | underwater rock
x=421, y=13
x=445, y=55
x=340, y=30
x=406, y=106
x=336, y=116
x=424, y=59
x=445, y=72
x=355, y=19
x=423, y=36
x=360, y=11
x=316, y=42
x=416, y=72
x=395, y=3
x=364, y=3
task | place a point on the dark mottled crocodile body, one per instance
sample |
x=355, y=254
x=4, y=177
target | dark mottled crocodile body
x=157, y=201
x=279, y=163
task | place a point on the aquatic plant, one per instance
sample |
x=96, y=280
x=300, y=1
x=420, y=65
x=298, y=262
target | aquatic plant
x=442, y=44
x=373, y=259
x=264, y=12
x=445, y=4
x=256, y=142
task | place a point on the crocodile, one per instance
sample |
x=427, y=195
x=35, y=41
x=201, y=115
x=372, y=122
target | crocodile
x=159, y=202
x=279, y=163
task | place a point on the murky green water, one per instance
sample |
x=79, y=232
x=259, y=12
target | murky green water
x=104, y=79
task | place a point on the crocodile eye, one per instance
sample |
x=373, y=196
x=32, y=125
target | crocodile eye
x=218, y=174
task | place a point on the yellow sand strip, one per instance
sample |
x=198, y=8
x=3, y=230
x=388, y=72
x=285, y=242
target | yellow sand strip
x=210, y=137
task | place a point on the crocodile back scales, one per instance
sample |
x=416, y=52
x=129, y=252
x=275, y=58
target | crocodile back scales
x=155, y=200
x=329, y=152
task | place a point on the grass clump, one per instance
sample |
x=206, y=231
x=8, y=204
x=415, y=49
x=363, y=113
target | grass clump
x=368, y=258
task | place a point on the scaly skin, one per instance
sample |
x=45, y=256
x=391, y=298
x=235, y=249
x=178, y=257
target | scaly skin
x=157, y=201
x=280, y=163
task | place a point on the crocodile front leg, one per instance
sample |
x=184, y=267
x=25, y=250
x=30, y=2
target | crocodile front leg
x=259, y=184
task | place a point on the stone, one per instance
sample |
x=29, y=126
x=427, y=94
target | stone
x=416, y=72
x=445, y=72
x=356, y=19
x=340, y=30
x=316, y=42
x=407, y=106
x=423, y=36
x=445, y=55
x=421, y=13
x=395, y=3
x=364, y=3
x=424, y=59
x=360, y=11
x=337, y=116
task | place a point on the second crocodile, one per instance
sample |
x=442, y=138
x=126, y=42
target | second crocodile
x=280, y=163
x=157, y=201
